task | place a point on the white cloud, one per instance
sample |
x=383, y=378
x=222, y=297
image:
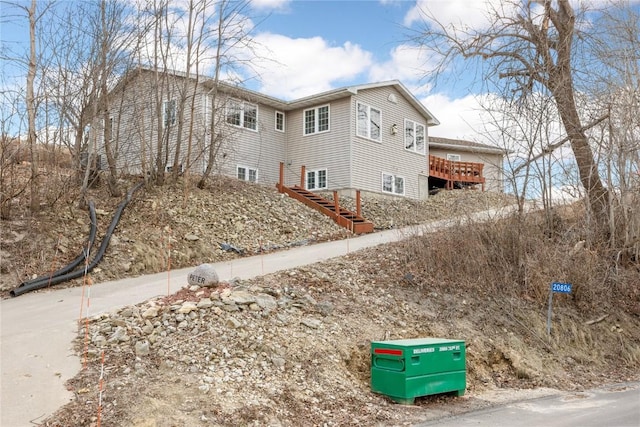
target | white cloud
x=270, y=4
x=460, y=13
x=407, y=64
x=459, y=118
x=293, y=68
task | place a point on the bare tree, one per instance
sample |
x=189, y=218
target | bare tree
x=616, y=85
x=229, y=37
x=530, y=47
x=86, y=60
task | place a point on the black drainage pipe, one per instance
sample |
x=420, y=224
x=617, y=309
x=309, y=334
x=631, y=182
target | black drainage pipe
x=96, y=259
x=79, y=259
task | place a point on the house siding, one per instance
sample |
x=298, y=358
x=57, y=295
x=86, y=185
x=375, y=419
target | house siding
x=371, y=158
x=263, y=149
x=327, y=150
x=352, y=162
x=135, y=116
x=137, y=132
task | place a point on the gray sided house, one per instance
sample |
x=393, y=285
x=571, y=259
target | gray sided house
x=371, y=137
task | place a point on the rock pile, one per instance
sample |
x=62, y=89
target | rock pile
x=249, y=346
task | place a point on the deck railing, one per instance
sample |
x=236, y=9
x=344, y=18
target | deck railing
x=452, y=171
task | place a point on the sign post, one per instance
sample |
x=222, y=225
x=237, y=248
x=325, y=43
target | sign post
x=563, y=288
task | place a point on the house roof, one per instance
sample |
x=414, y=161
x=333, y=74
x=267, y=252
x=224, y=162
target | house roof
x=353, y=90
x=463, y=145
x=311, y=100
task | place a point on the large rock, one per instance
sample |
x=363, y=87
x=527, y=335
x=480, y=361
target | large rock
x=204, y=275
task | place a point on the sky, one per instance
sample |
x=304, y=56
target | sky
x=319, y=45
x=323, y=44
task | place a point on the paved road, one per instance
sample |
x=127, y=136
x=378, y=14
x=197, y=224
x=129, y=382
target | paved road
x=612, y=406
x=36, y=329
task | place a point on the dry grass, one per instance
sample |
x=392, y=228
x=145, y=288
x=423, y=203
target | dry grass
x=522, y=256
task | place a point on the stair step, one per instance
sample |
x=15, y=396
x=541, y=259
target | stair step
x=342, y=216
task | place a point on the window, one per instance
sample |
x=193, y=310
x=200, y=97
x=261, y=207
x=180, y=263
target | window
x=414, y=136
x=317, y=179
x=170, y=168
x=369, y=122
x=247, y=174
x=242, y=114
x=280, y=121
x=392, y=184
x=169, y=113
x=316, y=120
x=454, y=157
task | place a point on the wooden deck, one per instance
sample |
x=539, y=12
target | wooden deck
x=456, y=172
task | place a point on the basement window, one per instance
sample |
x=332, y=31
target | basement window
x=393, y=184
x=246, y=173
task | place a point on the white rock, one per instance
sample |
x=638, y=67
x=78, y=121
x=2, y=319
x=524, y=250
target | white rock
x=150, y=312
x=203, y=275
x=242, y=297
x=142, y=348
x=187, y=307
x=205, y=303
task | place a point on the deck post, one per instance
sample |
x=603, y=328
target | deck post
x=358, y=204
x=303, y=170
x=336, y=203
x=281, y=182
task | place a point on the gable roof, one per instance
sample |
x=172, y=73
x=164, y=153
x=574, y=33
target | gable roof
x=353, y=90
x=304, y=102
x=462, y=145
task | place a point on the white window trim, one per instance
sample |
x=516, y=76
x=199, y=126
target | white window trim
x=415, y=144
x=247, y=170
x=454, y=157
x=368, y=136
x=164, y=112
x=393, y=184
x=242, y=111
x=315, y=171
x=316, y=112
x=284, y=123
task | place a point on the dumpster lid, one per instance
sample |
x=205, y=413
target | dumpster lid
x=418, y=342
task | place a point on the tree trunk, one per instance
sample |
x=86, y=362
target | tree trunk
x=31, y=112
x=112, y=181
x=560, y=82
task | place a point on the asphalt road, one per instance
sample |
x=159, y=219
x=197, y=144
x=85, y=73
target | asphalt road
x=612, y=406
x=37, y=329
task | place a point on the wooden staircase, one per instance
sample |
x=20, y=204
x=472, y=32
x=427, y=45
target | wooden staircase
x=352, y=221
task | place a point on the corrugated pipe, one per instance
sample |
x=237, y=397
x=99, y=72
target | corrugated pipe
x=52, y=280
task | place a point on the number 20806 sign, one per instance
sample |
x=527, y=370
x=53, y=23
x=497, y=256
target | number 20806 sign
x=564, y=288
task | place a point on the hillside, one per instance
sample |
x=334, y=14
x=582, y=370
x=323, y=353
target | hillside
x=292, y=348
x=169, y=226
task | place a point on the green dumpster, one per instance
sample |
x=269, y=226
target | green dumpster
x=406, y=369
